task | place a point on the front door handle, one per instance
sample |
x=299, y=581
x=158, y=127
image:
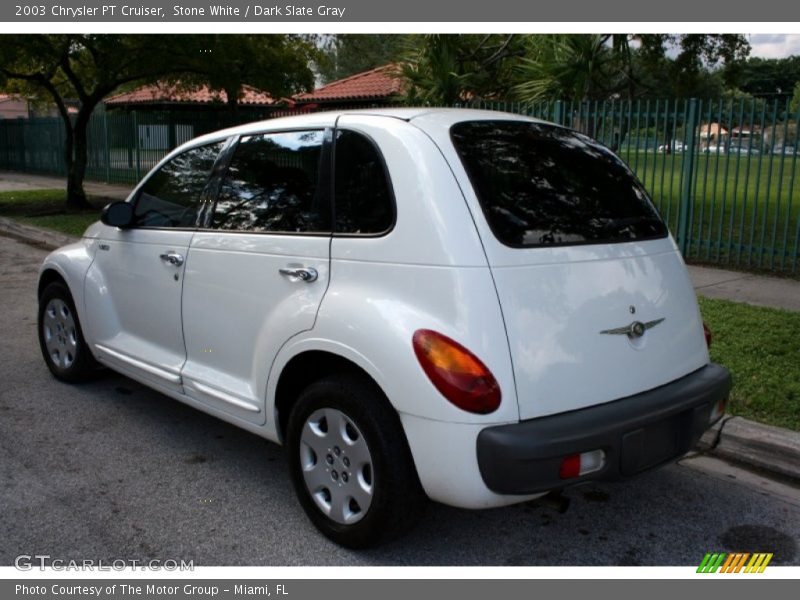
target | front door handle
x=307, y=274
x=173, y=258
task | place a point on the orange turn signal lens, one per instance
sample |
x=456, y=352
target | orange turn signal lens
x=458, y=374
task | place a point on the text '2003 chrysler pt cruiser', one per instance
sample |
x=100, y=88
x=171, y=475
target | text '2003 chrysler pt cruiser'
x=470, y=306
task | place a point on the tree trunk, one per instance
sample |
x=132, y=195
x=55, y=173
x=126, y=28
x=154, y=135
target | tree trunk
x=76, y=153
x=232, y=102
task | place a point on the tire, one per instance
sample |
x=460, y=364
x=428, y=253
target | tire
x=60, y=336
x=360, y=502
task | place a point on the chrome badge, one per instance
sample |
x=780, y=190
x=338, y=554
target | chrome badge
x=634, y=330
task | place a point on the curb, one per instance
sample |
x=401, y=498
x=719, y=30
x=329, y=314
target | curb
x=28, y=234
x=764, y=448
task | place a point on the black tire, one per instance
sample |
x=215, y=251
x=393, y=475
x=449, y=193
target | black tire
x=80, y=363
x=397, y=498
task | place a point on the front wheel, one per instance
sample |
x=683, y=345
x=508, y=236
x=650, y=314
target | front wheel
x=350, y=462
x=60, y=337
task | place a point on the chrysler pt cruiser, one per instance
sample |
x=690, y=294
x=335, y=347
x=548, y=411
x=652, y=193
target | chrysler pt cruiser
x=467, y=306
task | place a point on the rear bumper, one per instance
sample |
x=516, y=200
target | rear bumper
x=636, y=433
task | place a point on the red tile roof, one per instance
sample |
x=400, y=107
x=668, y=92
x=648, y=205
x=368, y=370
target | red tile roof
x=161, y=93
x=378, y=84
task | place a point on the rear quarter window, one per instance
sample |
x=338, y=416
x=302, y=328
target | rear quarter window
x=542, y=185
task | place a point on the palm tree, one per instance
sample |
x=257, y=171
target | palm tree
x=565, y=66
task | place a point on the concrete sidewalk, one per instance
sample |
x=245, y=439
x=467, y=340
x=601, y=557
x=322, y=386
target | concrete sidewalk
x=760, y=290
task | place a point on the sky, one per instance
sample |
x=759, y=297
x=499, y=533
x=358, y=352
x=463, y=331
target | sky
x=774, y=45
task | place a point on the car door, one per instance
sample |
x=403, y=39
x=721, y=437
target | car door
x=258, y=272
x=133, y=288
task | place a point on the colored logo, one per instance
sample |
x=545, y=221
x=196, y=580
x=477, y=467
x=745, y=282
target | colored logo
x=735, y=562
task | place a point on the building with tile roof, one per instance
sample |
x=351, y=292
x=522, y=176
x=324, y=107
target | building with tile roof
x=164, y=95
x=377, y=87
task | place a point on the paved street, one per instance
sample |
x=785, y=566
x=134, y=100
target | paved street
x=110, y=469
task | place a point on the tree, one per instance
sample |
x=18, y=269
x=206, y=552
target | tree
x=566, y=67
x=278, y=64
x=81, y=67
x=606, y=66
x=451, y=68
x=447, y=69
x=343, y=55
x=794, y=105
x=769, y=76
x=88, y=67
x=694, y=55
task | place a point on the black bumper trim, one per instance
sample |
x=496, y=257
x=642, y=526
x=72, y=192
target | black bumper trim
x=637, y=433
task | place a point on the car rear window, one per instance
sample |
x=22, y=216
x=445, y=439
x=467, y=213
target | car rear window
x=542, y=185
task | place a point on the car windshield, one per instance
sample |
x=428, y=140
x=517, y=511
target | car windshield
x=543, y=185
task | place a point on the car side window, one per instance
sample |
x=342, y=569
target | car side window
x=173, y=195
x=272, y=185
x=363, y=200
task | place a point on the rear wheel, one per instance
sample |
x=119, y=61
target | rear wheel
x=350, y=462
x=60, y=337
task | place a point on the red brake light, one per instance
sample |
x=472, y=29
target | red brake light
x=457, y=373
x=570, y=467
x=707, y=334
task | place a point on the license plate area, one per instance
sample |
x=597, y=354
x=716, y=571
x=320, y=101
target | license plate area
x=650, y=445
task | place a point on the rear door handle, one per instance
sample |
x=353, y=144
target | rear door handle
x=307, y=274
x=173, y=258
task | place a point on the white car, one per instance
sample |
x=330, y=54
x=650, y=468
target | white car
x=677, y=147
x=471, y=306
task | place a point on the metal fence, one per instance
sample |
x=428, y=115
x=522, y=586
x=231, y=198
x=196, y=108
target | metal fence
x=723, y=173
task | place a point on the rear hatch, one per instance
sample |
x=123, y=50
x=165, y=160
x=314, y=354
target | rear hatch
x=596, y=299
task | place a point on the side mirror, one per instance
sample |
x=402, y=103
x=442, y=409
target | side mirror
x=117, y=214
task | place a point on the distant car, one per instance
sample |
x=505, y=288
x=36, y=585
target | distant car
x=677, y=147
x=744, y=150
x=732, y=150
x=785, y=150
x=468, y=305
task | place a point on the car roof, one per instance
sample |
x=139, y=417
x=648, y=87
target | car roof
x=328, y=119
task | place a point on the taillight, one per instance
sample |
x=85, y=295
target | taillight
x=576, y=465
x=457, y=373
x=707, y=334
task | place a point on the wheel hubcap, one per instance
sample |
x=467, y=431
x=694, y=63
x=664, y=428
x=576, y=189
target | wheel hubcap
x=337, y=465
x=60, y=335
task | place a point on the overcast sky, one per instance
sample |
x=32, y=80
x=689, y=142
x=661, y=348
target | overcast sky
x=774, y=45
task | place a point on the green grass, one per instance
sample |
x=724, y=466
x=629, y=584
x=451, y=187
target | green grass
x=745, y=210
x=47, y=209
x=761, y=347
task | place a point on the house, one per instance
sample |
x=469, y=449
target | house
x=382, y=86
x=168, y=114
x=711, y=135
x=14, y=107
x=744, y=133
x=164, y=96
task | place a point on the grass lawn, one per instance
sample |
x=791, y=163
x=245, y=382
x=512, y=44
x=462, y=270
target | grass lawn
x=47, y=209
x=745, y=210
x=761, y=347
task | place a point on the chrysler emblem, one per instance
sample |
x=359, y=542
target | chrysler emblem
x=635, y=330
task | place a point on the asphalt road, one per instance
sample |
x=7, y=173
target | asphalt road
x=109, y=469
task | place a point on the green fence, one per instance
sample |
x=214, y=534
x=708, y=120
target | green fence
x=723, y=173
